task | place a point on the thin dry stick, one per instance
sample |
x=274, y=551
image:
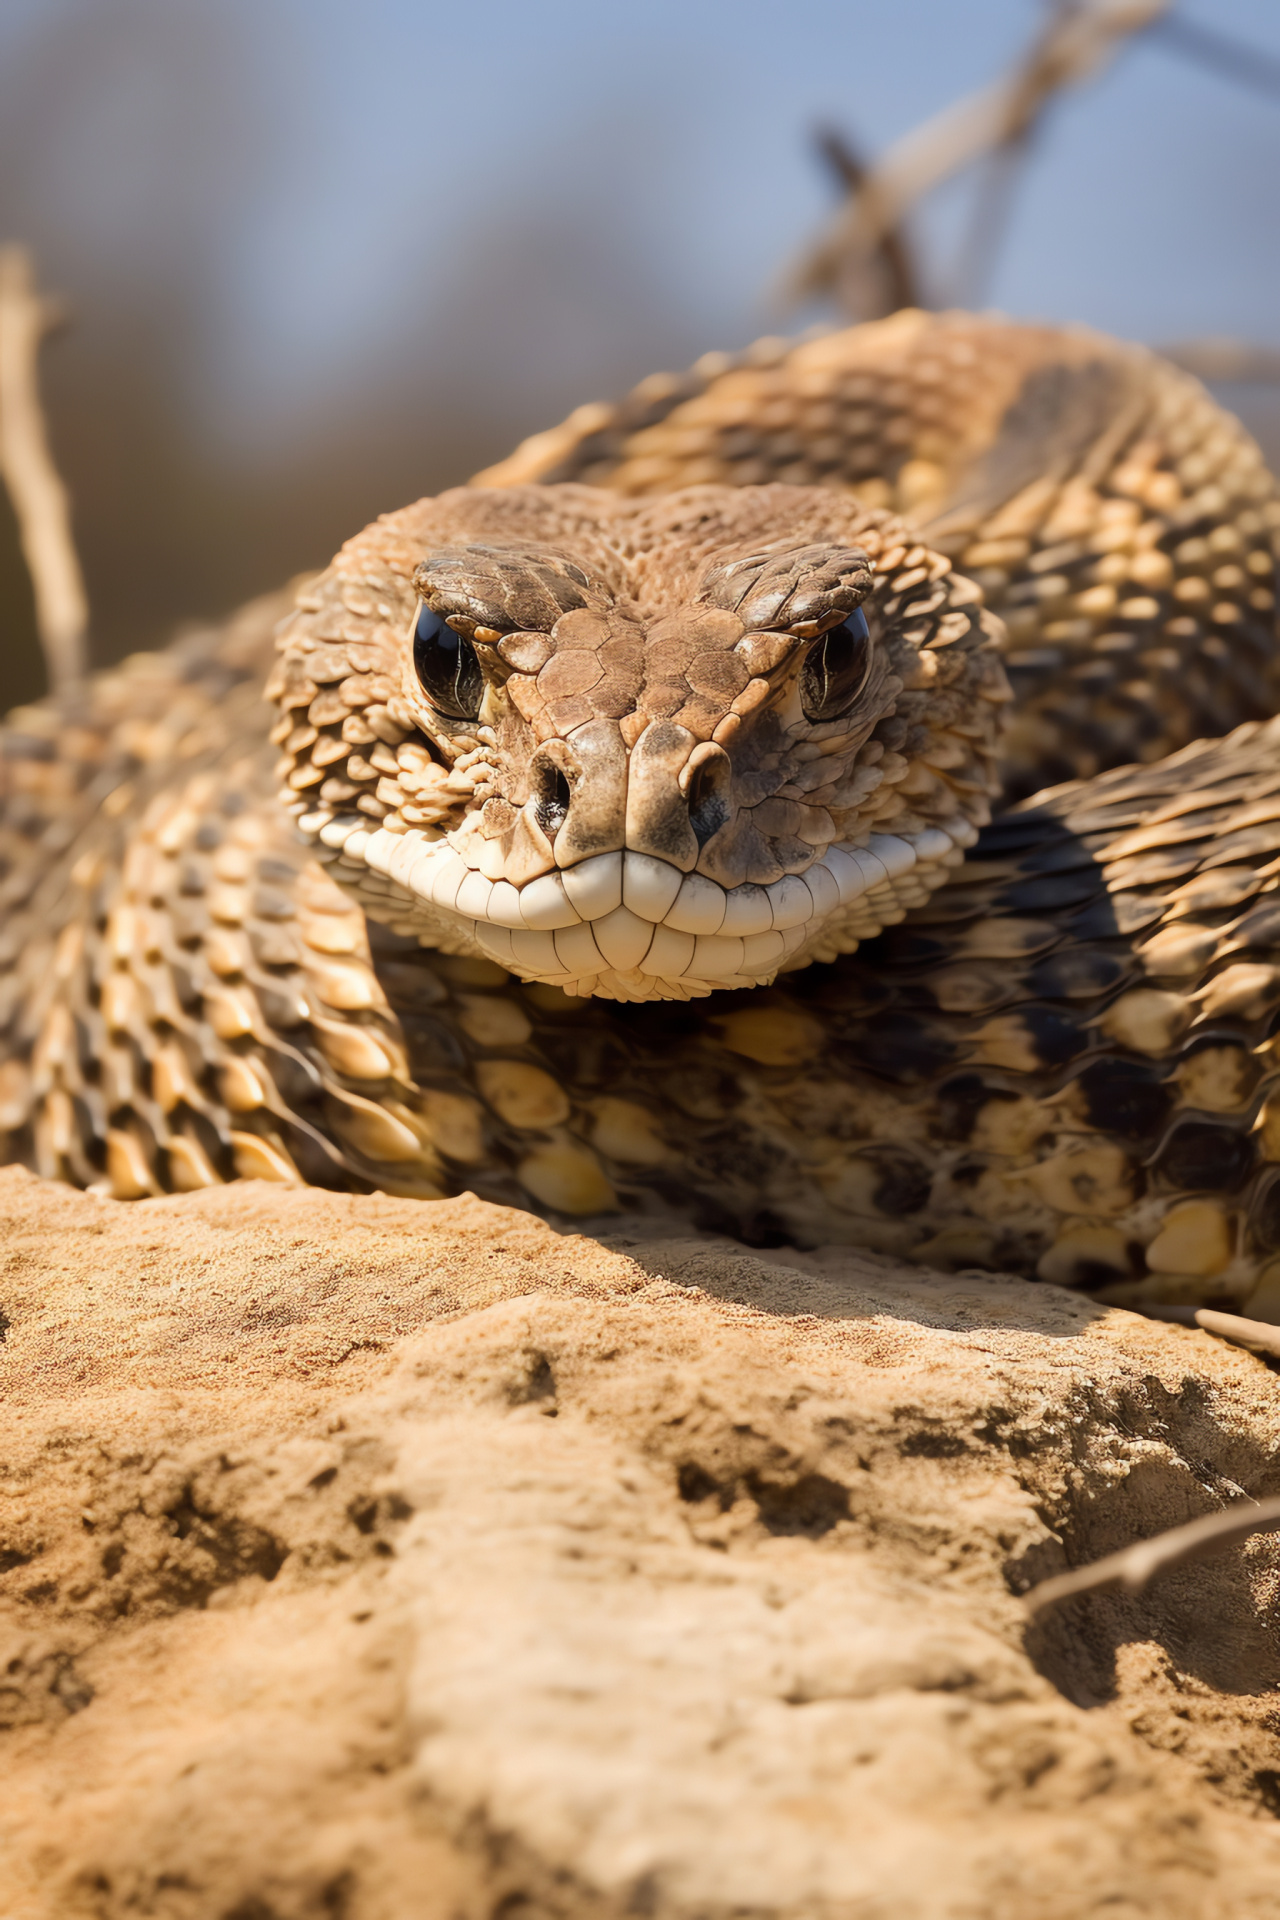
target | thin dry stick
x=1259, y=1336
x=869, y=294
x=1077, y=44
x=39, y=498
x=1135, y=1566
x=1225, y=359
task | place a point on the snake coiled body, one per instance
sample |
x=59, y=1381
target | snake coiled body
x=757, y=649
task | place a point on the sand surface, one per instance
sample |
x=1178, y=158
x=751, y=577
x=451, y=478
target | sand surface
x=369, y=1559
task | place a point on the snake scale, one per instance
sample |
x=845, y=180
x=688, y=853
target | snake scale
x=616, y=836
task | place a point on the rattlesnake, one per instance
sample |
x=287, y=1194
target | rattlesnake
x=602, y=778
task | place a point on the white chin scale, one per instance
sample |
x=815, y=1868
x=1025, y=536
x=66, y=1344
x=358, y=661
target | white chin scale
x=627, y=926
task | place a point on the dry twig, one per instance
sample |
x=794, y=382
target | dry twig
x=1224, y=358
x=1259, y=1336
x=1135, y=1566
x=884, y=279
x=39, y=498
x=1077, y=43
x=1231, y=59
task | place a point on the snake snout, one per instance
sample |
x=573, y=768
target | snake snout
x=706, y=784
x=577, y=792
x=551, y=791
x=659, y=819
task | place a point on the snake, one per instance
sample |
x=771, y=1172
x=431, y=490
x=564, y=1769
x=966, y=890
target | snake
x=829, y=797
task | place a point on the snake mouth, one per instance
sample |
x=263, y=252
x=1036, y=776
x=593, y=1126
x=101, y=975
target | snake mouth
x=632, y=926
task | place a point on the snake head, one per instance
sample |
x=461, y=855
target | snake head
x=640, y=749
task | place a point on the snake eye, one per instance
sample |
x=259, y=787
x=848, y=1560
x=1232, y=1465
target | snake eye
x=447, y=666
x=836, y=670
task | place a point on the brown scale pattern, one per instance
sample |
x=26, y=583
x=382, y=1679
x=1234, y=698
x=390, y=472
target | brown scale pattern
x=1119, y=522
x=1063, y=1064
x=628, y=649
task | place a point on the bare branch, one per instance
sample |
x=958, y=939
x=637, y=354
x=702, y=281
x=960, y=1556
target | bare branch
x=1078, y=43
x=1259, y=1336
x=884, y=280
x=1225, y=359
x=1135, y=1566
x=1236, y=60
x=39, y=498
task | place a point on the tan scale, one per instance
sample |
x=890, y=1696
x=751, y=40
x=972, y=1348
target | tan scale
x=229, y=948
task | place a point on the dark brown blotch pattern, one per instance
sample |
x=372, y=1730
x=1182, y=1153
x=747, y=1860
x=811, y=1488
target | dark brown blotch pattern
x=1065, y=1062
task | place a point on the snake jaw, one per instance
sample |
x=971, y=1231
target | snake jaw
x=629, y=926
x=600, y=753
x=1065, y=1065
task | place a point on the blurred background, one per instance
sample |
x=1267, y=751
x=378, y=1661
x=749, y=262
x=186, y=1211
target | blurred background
x=319, y=258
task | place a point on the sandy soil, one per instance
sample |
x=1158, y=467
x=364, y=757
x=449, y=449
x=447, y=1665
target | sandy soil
x=369, y=1559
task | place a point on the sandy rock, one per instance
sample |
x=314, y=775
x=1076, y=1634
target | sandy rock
x=368, y=1559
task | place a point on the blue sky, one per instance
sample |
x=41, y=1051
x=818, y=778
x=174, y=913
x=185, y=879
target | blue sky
x=357, y=187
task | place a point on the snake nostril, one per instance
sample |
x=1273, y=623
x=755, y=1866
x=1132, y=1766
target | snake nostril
x=707, y=799
x=551, y=797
